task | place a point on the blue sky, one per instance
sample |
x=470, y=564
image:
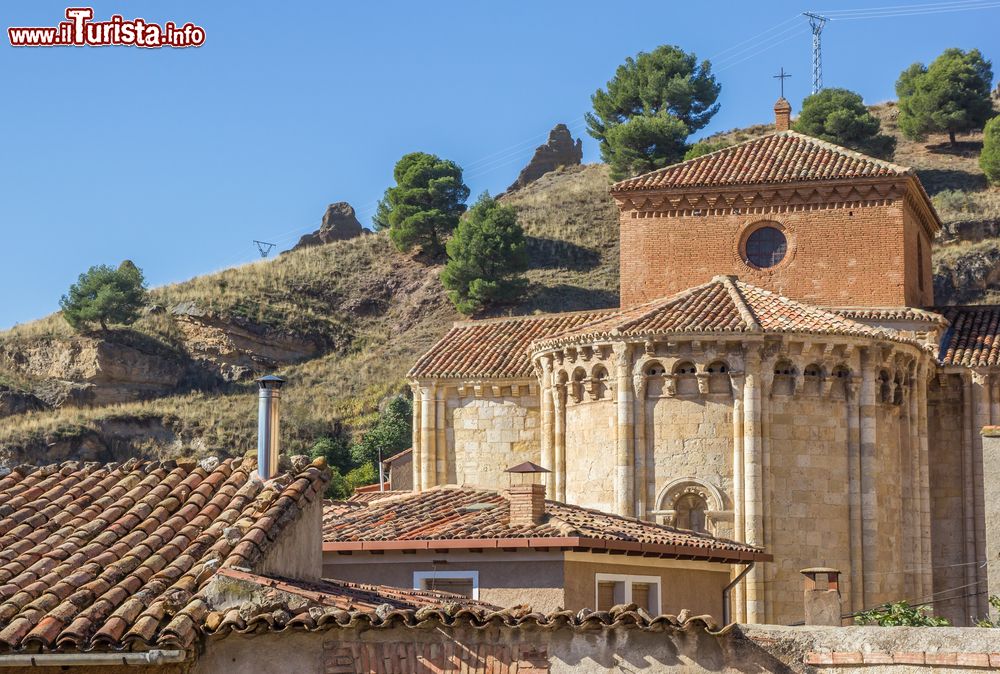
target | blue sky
x=178, y=159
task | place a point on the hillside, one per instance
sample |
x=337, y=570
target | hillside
x=343, y=322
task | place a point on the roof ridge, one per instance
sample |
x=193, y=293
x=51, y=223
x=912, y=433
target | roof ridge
x=787, y=301
x=730, y=283
x=464, y=323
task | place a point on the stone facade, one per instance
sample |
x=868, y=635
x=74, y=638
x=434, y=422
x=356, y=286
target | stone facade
x=834, y=447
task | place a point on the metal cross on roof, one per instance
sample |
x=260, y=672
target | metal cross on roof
x=781, y=76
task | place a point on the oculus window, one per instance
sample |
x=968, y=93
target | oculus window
x=765, y=247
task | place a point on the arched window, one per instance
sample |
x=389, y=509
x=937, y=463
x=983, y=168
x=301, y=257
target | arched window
x=579, y=374
x=842, y=379
x=884, y=387
x=691, y=509
x=784, y=378
x=718, y=377
x=813, y=379
x=600, y=383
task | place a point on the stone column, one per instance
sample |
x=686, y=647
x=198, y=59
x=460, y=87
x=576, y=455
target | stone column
x=981, y=418
x=753, y=513
x=548, y=457
x=559, y=437
x=914, y=551
x=925, y=486
x=869, y=467
x=737, y=381
x=991, y=466
x=643, y=470
x=853, y=403
x=624, y=485
x=968, y=497
x=441, y=443
x=417, y=462
x=428, y=418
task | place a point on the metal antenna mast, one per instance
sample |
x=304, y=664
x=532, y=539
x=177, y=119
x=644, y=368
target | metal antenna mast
x=263, y=247
x=816, y=22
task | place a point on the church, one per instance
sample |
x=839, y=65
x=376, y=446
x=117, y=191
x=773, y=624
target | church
x=777, y=374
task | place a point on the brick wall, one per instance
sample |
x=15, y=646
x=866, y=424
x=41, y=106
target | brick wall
x=844, y=256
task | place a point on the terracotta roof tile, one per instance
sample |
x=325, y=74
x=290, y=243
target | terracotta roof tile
x=331, y=604
x=973, y=337
x=466, y=513
x=724, y=304
x=113, y=552
x=777, y=158
x=890, y=314
x=495, y=348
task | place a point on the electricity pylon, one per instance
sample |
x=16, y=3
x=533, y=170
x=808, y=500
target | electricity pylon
x=816, y=22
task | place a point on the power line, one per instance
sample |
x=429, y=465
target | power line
x=816, y=23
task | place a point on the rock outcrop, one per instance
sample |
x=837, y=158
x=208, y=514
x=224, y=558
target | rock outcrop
x=339, y=224
x=560, y=150
x=13, y=401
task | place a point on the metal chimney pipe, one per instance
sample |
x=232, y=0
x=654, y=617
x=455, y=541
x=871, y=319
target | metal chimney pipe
x=268, y=425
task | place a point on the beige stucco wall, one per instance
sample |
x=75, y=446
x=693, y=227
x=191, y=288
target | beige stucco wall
x=699, y=590
x=488, y=434
x=505, y=579
x=298, y=550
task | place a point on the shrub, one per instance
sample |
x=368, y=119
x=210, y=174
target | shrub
x=900, y=614
x=391, y=433
x=485, y=258
x=652, y=104
x=105, y=295
x=840, y=116
x=955, y=201
x=989, y=159
x=425, y=205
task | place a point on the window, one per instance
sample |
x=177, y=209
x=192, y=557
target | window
x=920, y=262
x=465, y=583
x=690, y=515
x=643, y=591
x=765, y=247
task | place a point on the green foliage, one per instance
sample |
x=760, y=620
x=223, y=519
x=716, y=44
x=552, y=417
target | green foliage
x=485, y=258
x=362, y=475
x=105, y=295
x=338, y=487
x=840, y=116
x=900, y=614
x=653, y=103
x=956, y=202
x=425, y=205
x=990, y=622
x=391, y=433
x=989, y=158
x=336, y=450
x=952, y=95
x=703, y=147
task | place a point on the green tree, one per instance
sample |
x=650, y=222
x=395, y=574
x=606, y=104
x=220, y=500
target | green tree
x=105, y=295
x=336, y=449
x=900, y=614
x=391, y=433
x=425, y=205
x=950, y=96
x=486, y=257
x=840, y=116
x=989, y=158
x=703, y=147
x=360, y=476
x=652, y=104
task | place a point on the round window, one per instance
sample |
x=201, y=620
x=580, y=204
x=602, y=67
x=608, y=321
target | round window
x=766, y=247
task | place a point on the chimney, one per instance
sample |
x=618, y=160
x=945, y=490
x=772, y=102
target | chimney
x=268, y=426
x=822, y=600
x=782, y=115
x=527, y=499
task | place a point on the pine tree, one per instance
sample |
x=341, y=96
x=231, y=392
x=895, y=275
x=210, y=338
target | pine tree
x=425, y=205
x=652, y=104
x=989, y=159
x=950, y=96
x=485, y=258
x=105, y=295
x=841, y=117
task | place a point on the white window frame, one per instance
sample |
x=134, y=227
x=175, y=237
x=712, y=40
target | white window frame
x=420, y=579
x=652, y=581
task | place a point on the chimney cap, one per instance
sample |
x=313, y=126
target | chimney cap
x=782, y=104
x=270, y=381
x=527, y=467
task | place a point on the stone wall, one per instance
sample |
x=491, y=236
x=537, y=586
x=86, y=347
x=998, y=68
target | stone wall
x=590, y=452
x=490, y=434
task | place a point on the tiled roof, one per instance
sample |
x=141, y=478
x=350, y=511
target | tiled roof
x=468, y=514
x=369, y=496
x=890, y=314
x=782, y=157
x=331, y=604
x=494, y=348
x=99, y=556
x=724, y=304
x=973, y=338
